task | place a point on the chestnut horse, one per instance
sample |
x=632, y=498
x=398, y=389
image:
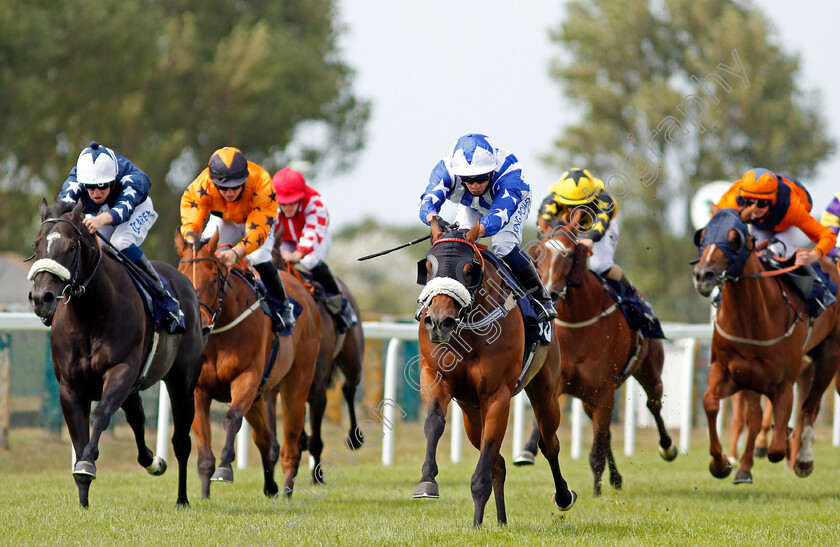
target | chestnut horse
x=598, y=349
x=237, y=370
x=472, y=343
x=104, y=345
x=338, y=351
x=761, y=335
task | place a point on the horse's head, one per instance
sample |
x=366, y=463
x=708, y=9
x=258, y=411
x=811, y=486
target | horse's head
x=723, y=249
x=560, y=258
x=451, y=271
x=66, y=257
x=198, y=262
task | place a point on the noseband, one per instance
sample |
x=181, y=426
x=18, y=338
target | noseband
x=69, y=275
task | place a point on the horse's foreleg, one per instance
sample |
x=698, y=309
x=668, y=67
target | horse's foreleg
x=293, y=394
x=495, y=415
x=529, y=452
x=317, y=407
x=437, y=401
x=270, y=404
x=766, y=423
x=752, y=400
x=782, y=407
x=824, y=358
x=201, y=428
x=649, y=377
x=136, y=418
x=256, y=416
x=243, y=395
x=183, y=412
x=76, y=410
x=601, y=416
x=354, y=437
x=547, y=411
x=115, y=390
x=719, y=386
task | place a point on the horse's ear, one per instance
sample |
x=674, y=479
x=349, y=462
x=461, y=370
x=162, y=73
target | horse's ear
x=746, y=213
x=698, y=237
x=472, y=235
x=214, y=241
x=78, y=210
x=180, y=243
x=574, y=222
x=713, y=208
x=435, y=227
x=42, y=209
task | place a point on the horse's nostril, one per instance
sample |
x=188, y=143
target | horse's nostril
x=427, y=321
x=708, y=276
x=448, y=323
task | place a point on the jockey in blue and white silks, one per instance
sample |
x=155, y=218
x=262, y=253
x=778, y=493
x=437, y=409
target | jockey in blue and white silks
x=487, y=184
x=115, y=196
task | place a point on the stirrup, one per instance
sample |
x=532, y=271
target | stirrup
x=287, y=315
x=544, y=313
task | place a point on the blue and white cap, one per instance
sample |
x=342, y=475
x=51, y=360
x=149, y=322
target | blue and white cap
x=473, y=155
x=96, y=165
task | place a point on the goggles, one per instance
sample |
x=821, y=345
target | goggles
x=760, y=203
x=477, y=179
x=102, y=186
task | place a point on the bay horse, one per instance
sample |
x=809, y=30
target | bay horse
x=598, y=348
x=338, y=352
x=761, y=334
x=473, y=353
x=104, y=345
x=236, y=367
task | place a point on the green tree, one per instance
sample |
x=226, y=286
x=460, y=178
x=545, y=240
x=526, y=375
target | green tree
x=672, y=95
x=165, y=83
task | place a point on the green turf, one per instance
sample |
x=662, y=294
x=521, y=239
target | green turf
x=676, y=503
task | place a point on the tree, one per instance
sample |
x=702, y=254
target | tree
x=166, y=83
x=674, y=94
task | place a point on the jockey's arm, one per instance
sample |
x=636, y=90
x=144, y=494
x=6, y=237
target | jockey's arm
x=94, y=223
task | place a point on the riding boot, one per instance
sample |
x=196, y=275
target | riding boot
x=334, y=299
x=631, y=292
x=530, y=281
x=175, y=316
x=274, y=285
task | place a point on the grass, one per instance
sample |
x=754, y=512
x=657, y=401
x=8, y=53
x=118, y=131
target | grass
x=661, y=503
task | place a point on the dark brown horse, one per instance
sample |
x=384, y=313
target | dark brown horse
x=598, y=349
x=338, y=352
x=104, y=345
x=761, y=334
x=472, y=343
x=236, y=367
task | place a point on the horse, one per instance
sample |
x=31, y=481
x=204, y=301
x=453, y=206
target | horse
x=598, y=348
x=338, y=351
x=104, y=344
x=238, y=369
x=761, y=334
x=473, y=353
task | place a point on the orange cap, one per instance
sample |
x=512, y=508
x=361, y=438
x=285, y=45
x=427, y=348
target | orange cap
x=759, y=184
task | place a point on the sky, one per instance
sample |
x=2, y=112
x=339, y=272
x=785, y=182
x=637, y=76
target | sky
x=437, y=69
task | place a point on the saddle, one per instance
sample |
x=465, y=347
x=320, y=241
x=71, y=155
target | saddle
x=270, y=305
x=636, y=311
x=162, y=308
x=811, y=282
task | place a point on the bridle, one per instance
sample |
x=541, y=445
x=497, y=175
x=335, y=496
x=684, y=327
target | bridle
x=220, y=279
x=69, y=275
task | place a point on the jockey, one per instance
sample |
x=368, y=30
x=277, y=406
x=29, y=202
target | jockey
x=487, y=184
x=238, y=197
x=303, y=221
x=777, y=204
x=831, y=219
x=578, y=190
x=115, y=196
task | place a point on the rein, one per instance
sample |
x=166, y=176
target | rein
x=222, y=279
x=69, y=275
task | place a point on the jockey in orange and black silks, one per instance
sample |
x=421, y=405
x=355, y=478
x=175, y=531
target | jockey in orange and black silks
x=779, y=204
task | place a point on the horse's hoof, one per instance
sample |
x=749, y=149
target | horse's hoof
x=733, y=462
x=426, y=489
x=222, y=474
x=85, y=469
x=355, y=440
x=720, y=474
x=668, y=454
x=526, y=457
x=775, y=457
x=158, y=467
x=803, y=469
x=571, y=503
x=760, y=452
x=742, y=476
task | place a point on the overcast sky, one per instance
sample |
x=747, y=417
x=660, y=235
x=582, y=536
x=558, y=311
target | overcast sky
x=431, y=80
